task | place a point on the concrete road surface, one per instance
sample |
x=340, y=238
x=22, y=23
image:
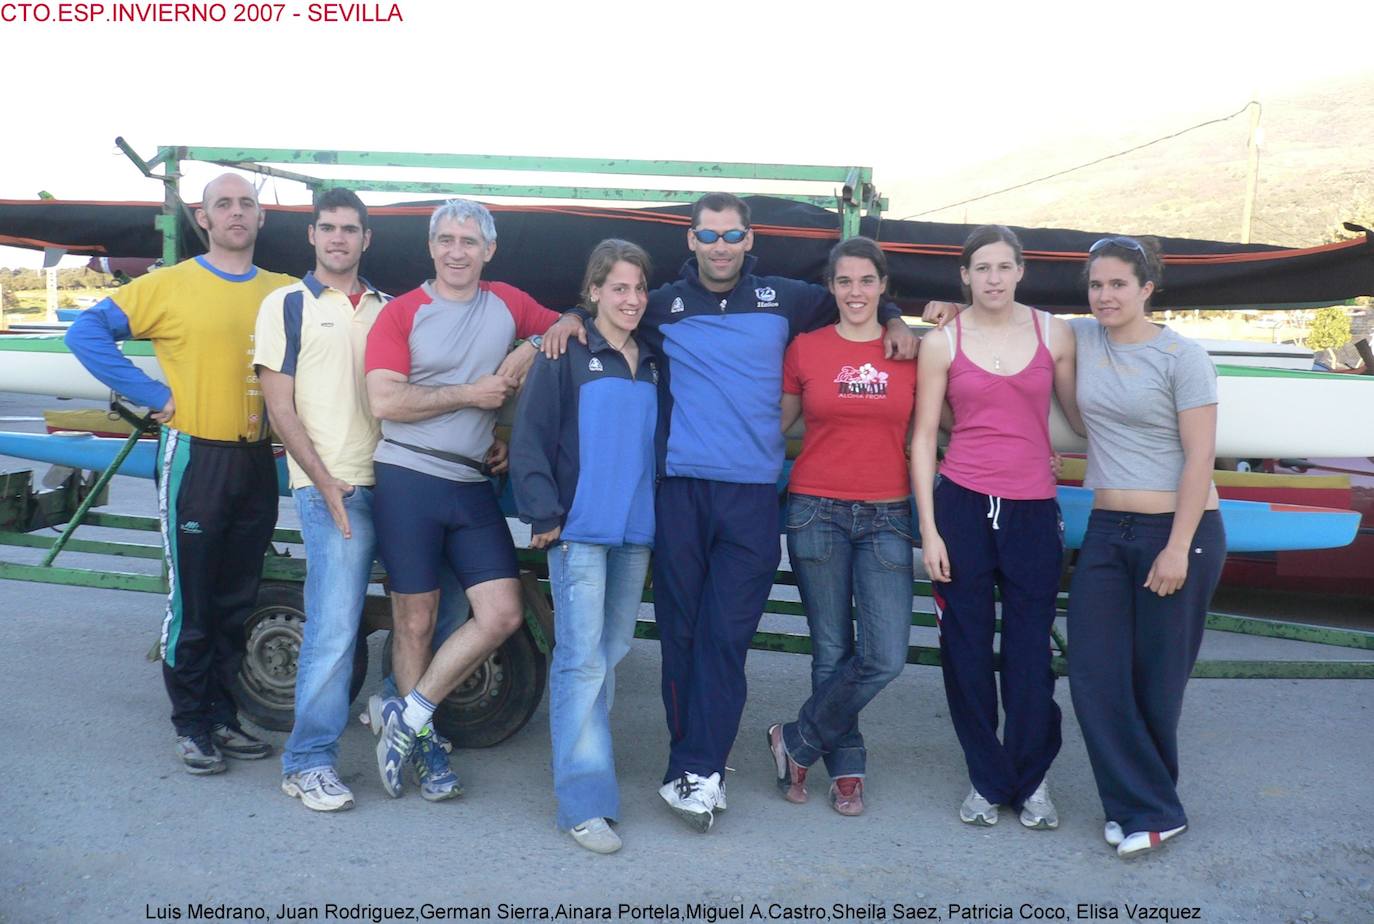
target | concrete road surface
x=98, y=822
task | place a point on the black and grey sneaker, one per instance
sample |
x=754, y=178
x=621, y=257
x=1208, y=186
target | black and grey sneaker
x=199, y=754
x=238, y=744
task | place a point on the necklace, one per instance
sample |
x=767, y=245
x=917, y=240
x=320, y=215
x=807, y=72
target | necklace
x=999, y=347
x=621, y=348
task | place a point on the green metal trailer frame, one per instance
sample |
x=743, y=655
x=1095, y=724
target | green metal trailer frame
x=851, y=194
x=22, y=510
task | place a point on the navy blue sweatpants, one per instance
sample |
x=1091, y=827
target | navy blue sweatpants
x=1130, y=655
x=716, y=550
x=217, y=506
x=1015, y=547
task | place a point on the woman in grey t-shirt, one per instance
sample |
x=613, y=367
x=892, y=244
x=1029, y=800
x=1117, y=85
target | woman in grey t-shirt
x=1154, y=547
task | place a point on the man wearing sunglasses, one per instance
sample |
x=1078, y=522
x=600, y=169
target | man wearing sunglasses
x=722, y=331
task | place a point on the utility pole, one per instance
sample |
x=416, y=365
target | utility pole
x=52, y=295
x=1251, y=171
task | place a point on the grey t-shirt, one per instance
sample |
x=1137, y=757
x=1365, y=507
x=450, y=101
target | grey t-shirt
x=434, y=342
x=1130, y=396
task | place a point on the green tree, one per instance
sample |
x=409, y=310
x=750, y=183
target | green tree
x=1330, y=329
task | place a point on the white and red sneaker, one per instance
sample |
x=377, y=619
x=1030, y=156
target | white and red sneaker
x=1142, y=842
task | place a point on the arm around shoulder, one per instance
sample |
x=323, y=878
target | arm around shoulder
x=1066, y=373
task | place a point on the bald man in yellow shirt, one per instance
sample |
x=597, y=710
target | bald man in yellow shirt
x=217, y=478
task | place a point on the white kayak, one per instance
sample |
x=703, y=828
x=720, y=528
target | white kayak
x=1276, y=414
x=41, y=364
x=1262, y=413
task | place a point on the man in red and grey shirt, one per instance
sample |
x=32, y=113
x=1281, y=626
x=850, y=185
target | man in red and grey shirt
x=439, y=366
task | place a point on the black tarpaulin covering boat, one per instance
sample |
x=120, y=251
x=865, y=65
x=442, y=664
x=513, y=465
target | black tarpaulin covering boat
x=542, y=249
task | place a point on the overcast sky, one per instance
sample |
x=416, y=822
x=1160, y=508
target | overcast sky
x=908, y=90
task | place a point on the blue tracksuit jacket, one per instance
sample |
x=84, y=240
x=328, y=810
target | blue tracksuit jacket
x=582, y=450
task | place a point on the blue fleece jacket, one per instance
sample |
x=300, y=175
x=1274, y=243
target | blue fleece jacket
x=582, y=451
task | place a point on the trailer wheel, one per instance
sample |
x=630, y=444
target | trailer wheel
x=265, y=688
x=497, y=700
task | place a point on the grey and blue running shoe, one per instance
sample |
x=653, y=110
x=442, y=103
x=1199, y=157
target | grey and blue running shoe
x=432, y=770
x=395, y=740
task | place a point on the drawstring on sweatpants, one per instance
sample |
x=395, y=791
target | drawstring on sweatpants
x=1127, y=526
x=994, y=510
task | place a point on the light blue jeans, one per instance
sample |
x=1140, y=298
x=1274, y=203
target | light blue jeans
x=596, y=595
x=843, y=551
x=335, y=586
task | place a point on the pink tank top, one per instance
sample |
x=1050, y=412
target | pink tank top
x=1001, y=440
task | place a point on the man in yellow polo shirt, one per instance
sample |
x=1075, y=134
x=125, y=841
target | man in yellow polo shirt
x=309, y=355
x=217, y=479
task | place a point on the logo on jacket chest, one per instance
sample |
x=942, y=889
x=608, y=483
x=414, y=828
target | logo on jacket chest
x=861, y=382
x=678, y=307
x=595, y=365
x=767, y=297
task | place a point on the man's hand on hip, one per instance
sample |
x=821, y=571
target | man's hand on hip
x=165, y=415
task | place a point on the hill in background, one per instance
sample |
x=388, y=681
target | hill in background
x=1314, y=172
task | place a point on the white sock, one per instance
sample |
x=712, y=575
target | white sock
x=418, y=710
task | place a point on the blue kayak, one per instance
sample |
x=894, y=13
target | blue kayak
x=85, y=451
x=1251, y=526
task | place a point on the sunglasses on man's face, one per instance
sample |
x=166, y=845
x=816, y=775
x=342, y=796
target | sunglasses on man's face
x=1129, y=243
x=707, y=236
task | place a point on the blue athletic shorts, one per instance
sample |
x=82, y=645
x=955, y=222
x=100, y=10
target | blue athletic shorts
x=422, y=520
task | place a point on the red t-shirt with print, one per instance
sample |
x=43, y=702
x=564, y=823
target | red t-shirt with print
x=857, y=406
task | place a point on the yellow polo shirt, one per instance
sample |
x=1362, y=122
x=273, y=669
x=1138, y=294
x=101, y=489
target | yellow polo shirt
x=313, y=333
x=200, y=320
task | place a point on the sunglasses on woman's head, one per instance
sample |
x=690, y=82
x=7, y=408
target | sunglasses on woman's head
x=1129, y=243
x=707, y=236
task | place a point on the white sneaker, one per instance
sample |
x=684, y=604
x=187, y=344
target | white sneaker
x=693, y=798
x=1038, y=811
x=1113, y=834
x=977, y=811
x=1142, y=842
x=320, y=789
x=596, y=835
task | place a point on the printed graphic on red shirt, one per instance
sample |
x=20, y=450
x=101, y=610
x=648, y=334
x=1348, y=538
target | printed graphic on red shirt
x=863, y=381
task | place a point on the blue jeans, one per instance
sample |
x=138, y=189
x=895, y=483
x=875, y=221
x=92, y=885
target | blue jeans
x=596, y=595
x=335, y=588
x=842, y=550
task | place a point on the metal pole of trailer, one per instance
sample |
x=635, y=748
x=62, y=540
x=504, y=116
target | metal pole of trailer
x=80, y=516
x=169, y=222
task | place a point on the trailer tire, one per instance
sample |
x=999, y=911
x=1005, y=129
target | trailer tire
x=265, y=686
x=497, y=700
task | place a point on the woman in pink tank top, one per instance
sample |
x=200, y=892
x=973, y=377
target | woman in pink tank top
x=990, y=524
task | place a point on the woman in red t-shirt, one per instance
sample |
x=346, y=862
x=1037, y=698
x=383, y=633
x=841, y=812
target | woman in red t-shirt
x=848, y=524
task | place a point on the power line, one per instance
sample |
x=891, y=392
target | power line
x=1292, y=235
x=1091, y=163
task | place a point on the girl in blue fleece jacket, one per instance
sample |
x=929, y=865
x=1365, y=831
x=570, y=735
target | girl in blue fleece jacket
x=582, y=460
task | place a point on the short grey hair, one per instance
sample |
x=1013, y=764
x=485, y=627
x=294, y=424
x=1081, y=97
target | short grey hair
x=460, y=210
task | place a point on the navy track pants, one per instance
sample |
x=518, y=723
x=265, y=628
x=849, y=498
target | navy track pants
x=217, y=504
x=1130, y=654
x=716, y=550
x=1015, y=547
